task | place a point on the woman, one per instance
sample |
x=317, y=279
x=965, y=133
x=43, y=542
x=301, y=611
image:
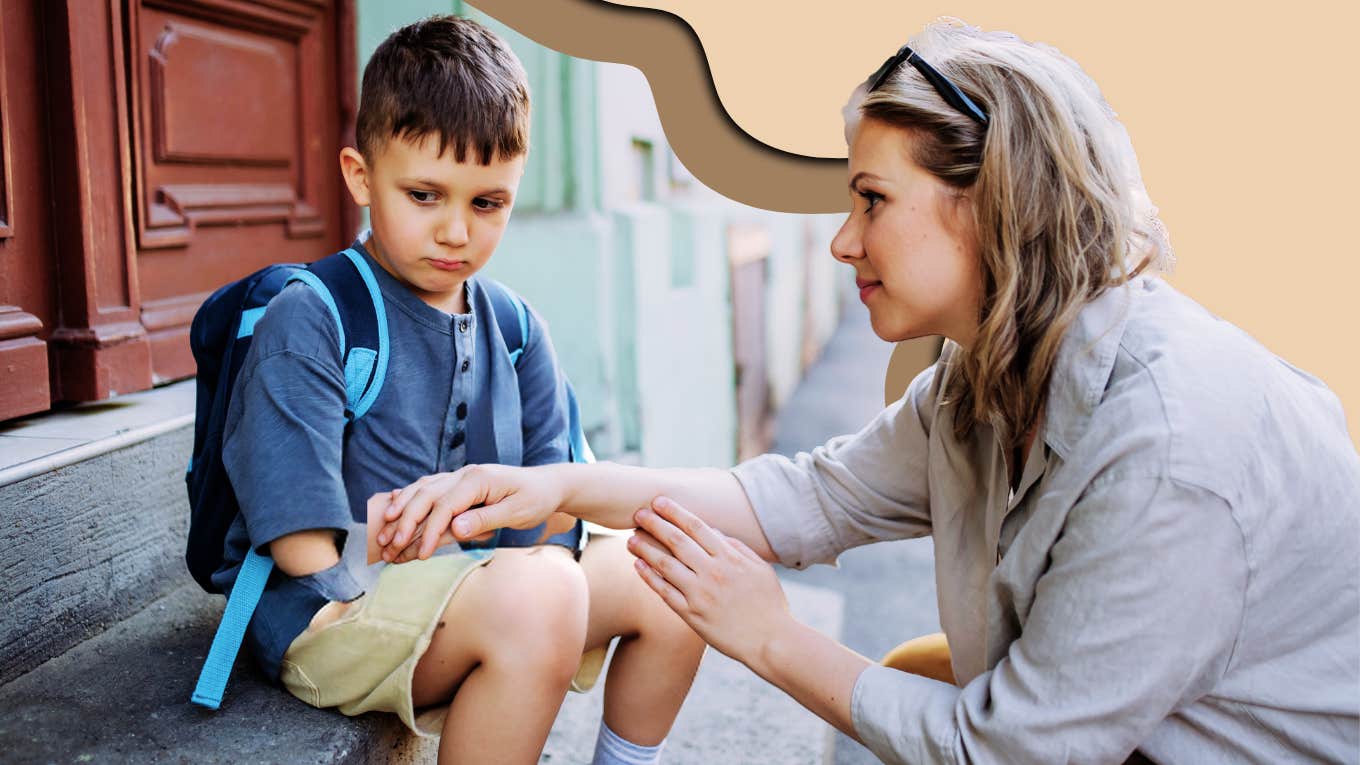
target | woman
x=1146, y=526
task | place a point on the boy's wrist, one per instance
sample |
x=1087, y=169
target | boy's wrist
x=561, y=493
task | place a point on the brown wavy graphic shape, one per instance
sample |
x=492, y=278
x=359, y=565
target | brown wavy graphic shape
x=704, y=136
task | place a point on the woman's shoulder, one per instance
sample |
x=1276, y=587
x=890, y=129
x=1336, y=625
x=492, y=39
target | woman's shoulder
x=1192, y=397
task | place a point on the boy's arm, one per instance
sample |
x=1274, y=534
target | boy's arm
x=305, y=552
x=283, y=439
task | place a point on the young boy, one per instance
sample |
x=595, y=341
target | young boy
x=479, y=652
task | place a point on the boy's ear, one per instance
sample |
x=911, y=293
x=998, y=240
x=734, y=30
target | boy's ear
x=356, y=174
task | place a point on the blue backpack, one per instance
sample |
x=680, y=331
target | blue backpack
x=220, y=338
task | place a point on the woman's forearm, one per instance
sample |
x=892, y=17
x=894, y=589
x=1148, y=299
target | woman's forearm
x=609, y=494
x=815, y=670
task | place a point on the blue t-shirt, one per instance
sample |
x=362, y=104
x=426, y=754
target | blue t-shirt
x=451, y=397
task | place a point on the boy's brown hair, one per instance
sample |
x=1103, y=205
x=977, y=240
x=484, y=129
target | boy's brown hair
x=448, y=76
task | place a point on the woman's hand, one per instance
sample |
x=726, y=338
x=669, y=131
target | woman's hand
x=470, y=502
x=722, y=589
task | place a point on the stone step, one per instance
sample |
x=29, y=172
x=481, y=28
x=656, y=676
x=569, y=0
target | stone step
x=84, y=544
x=123, y=696
x=731, y=715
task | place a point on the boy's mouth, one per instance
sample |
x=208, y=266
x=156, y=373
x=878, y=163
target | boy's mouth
x=447, y=265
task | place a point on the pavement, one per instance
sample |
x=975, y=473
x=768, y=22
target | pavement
x=888, y=588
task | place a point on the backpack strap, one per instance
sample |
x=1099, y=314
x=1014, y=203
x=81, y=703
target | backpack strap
x=245, y=595
x=510, y=313
x=357, y=305
x=510, y=317
x=361, y=323
x=579, y=450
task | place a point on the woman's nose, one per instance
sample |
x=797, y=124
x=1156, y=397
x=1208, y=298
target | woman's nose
x=847, y=245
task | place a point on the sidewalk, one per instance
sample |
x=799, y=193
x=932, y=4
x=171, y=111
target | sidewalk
x=889, y=588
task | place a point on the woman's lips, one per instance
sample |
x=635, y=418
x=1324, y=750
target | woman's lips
x=447, y=265
x=866, y=288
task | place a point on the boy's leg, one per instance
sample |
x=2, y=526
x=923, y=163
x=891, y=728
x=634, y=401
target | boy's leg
x=657, y=655
x=509, y=645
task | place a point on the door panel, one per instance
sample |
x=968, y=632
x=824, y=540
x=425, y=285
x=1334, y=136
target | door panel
x=236, y=128
x=26, y=274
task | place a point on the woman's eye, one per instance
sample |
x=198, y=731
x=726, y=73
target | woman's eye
x=483, y=203
x=421, y=197
x=871, y=199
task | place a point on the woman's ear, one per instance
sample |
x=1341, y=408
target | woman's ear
x=356, y=173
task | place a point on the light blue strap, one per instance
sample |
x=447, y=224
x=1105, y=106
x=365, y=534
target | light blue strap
x=380, y=374
x=212, y=681
x=576, y=436
x=311, y=280
x=249, y=318
x=523, y=327
x=358, y=365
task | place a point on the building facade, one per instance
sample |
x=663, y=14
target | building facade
x=152, y=150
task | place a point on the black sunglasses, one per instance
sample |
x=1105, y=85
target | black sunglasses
x=947, y=90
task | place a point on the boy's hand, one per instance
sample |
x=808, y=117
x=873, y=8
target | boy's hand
x=482, y=498
x=377, y=505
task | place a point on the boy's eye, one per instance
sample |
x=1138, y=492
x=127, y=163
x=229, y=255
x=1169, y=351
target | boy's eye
x=421, y=197
x=486, y=203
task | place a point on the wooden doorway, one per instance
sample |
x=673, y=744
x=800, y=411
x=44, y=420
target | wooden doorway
x=236, y=124
x=150, y=151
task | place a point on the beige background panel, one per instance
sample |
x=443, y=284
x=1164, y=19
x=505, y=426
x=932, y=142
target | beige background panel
x=705, y=139
x=1242, y=117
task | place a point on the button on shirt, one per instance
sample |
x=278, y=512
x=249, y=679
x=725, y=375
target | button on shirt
x=1178, y=571
x=450, y=397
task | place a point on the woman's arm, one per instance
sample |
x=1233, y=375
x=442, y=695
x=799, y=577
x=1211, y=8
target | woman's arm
x=1136, y=616
x=486, y=497
x=855, y=489
x=733, y=600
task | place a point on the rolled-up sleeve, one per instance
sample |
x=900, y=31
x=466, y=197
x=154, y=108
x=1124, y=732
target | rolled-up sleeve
x=1138, y=614
x=853, y=490
x=283, y=440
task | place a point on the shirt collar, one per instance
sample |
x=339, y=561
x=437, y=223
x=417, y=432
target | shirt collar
x=1083, y=365
x=402, y=295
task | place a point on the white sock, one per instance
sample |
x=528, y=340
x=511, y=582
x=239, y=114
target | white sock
x=611, y=749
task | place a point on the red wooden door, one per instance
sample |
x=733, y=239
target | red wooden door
x=27, y=306
x=236, y=128
x=150, y=151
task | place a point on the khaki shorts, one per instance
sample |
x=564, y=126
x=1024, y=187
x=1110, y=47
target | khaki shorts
x=365, y=660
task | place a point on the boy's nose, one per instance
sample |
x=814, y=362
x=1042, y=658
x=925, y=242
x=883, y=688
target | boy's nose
x=454, y=232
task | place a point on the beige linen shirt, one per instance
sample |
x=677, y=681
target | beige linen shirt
x=1178, y=573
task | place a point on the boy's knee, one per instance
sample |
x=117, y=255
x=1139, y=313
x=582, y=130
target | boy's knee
x=658, y=624
x=539, y=610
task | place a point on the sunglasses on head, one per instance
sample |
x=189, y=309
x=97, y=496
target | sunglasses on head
x=947, y=90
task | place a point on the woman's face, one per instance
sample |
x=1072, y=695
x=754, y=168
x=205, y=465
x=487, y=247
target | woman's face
x=909, y=239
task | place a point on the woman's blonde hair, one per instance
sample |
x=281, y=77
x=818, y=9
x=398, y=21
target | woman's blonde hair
x=1058, y=205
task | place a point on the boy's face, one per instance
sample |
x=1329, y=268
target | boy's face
x=435, y=221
